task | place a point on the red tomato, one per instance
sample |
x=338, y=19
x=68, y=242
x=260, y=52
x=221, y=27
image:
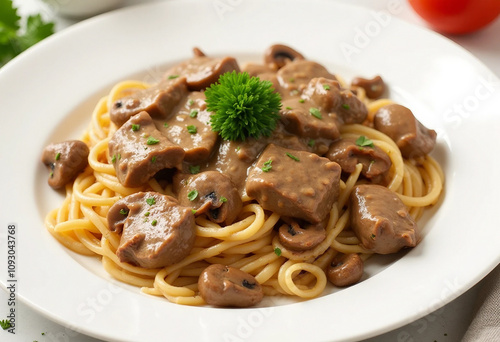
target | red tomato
x=457, y=16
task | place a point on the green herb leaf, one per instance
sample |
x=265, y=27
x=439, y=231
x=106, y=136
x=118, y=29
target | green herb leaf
x=288, y=108
x=193, y=211
x=152, y=141
x=363, y=141
x=267, y=166
x=326, y=86
x=190, y=102
x=153, y=159
x=315, y=112
x=171, y=77
x=192, y=195
x=147, y=213
x=151, y=200
x=223, y=199
x=293, y=157
x=58, y=155
x=311, y=143
x=243, y=106
x=302, y=100
x=124, y=211
x=346, y=106
x=194, y=169
x=135, y=127
x=5, y=324
x=154, y=222
x=277, y=251
x=192, y=129
x=194, y=113
x=165, y=124
x=14, y=39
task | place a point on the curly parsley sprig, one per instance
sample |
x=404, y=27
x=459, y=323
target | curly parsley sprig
x=242, y=106
x=14, y=39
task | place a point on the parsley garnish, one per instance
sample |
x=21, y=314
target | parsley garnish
x=192, y=195
x=193, y=211
x=153, y=159
x=116, y=157
x=154, y=222
x=194, y=113
x=243, y=106
x=302, y=100
x=315, y=112
x=223, y=199
x=152, y=141
x=267, y=166
x=288, y=108
x=147, y=213
x=151, y=200
x=190, y=102
x=346, y=106
x=311, y=143
x=277, y=251
x=192, y=129
x=363, y=141
x=292, y=156
x=58, y=155
x=135, y=127
x=171, y=77
x=14, y=39
x=165, y=124
x=326, y=87
x=124, y=211
x=194, y=169
x=5, y=324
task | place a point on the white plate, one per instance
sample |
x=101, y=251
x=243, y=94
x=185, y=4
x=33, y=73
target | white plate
x=48, y=93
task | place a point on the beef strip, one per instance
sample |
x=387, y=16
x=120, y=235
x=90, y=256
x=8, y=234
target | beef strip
x=305, y=188
x=376, y=163
x=295, y=76
x=155, y=230
x=65, y=161
x=210, y=193
x=202, y=71
x=398, y=122
x=189, y=127
x=158, y=100
x=320, y=110
x=138, y=151
x=380, y=219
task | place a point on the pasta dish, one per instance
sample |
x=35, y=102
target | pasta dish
x=223, y=183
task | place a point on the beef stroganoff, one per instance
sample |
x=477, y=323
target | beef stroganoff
x=223, y=183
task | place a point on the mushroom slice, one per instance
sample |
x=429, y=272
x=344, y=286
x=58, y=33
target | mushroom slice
x=228, y=286
x=65, y=161
x=278, y=55
x=296, y=238
x=345, y=269
x=374, y=88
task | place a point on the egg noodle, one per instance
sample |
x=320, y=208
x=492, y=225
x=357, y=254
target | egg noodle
x=250, y=244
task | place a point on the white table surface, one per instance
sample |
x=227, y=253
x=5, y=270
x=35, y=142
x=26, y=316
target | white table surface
x=448, y=323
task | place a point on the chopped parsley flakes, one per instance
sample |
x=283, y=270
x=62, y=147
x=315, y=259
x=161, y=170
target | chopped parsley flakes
x=315, y=112
x=363, y=141
x=293, y=157
x=152, y=141
x=267, y=166
x=192, y=195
